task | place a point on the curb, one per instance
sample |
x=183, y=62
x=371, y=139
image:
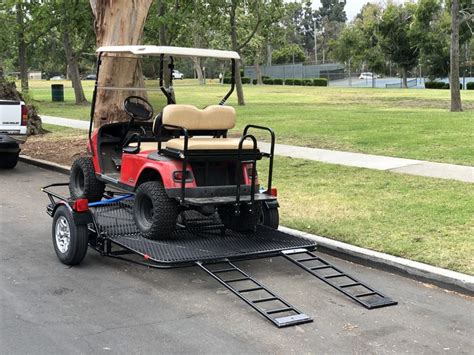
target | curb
x=424, y=272
x=44, y=164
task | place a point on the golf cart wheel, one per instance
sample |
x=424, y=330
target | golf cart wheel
x=8, y=160
x=155, y=214
x=69, y=240
x=270, y=216
x=245, y=222
x=83, y=182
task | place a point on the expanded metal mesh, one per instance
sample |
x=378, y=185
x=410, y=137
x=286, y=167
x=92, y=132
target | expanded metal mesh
x=195, y=243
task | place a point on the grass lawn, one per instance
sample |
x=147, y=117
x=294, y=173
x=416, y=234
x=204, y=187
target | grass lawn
x=423, y=219
x=409, y=123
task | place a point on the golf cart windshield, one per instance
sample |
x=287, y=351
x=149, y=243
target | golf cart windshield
x=163, y=69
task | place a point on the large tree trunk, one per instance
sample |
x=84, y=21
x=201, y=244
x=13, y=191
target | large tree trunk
x=73, y=69
x=258, y=73
x=456, y=105
x=404, y=78
x=235, y=47
x=22, y=58
x=118, y=22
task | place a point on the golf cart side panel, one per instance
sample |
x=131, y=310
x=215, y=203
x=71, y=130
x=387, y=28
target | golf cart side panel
x=137, y=168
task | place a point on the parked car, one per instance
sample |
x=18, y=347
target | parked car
x=90, y=77
x=368, y=75
x=57, y=77
x=13, y=120
x=178, y=75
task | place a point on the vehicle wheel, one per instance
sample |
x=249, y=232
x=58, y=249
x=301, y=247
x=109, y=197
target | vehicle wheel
x=83, y=182
x=245, y=222
x=69, y=240
x=155, y=214
x=9, y=160
x=270, y=217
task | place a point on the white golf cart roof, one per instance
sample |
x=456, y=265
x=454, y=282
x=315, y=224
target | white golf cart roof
x=146, y=50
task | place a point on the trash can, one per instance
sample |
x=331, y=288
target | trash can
x=57, y=92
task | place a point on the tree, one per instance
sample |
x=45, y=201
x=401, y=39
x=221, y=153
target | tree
x=288, y=54
x=398, y=42
x=456, y=104
x=118, y=22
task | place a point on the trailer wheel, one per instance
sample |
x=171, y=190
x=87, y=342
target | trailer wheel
x=8, y=160
x=69, y=240
x=155, y=214
x=270, y=216
x=83, y=182
x=245, y=222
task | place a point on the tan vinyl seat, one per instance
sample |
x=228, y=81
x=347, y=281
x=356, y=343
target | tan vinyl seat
x=212, y=118
x=209, y=144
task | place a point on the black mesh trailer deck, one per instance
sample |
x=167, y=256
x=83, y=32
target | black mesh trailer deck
x=204, y=242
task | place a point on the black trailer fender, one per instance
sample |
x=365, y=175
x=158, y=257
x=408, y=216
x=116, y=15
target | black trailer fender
x=271, y=204
x=80, y=218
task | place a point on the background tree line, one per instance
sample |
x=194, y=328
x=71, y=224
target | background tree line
x=58, y=37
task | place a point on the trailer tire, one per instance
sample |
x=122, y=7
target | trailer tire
x=155, y=214
x=245, y=222
x=8, y=160
x=270, y=216
x=69, y=240
x=82, y=181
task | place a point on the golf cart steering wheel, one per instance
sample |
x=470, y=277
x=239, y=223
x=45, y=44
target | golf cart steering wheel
x=138, y=109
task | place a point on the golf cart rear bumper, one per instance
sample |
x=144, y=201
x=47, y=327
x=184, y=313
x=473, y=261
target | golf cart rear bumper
x=218, y=195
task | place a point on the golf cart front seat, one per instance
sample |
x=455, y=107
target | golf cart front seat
x=213, y=122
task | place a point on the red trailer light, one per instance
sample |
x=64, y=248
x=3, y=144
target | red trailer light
x=24, y=115
x=81, y=205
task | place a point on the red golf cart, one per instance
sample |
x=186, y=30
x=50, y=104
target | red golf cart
x=178, y=159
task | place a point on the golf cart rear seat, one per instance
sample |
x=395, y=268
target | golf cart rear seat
x=213, y=122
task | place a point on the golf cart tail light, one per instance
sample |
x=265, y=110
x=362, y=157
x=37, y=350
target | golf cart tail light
x=273, y=192
x=178, y=176
x=24, y=115
x=81, y=205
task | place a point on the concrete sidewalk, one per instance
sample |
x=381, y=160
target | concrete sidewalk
x=369, y=161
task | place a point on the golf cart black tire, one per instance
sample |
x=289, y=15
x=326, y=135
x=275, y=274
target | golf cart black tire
x=155, y=214
x=245, y=222
x=82, y=181
x=270, y=216
x=78, y=238
x=8, y=160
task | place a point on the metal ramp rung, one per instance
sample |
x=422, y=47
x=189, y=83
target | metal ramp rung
x=279, y=306
x=360, y=292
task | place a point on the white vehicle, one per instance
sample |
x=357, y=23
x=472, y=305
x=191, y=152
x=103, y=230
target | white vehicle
x=178, y=75
x=13, y=119
x=368, y=75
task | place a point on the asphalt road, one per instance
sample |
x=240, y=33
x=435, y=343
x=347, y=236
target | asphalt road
x=110, y=306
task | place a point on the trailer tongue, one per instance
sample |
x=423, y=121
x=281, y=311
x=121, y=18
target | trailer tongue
x=204, y=242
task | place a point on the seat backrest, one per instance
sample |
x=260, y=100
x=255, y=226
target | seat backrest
x=212, y=118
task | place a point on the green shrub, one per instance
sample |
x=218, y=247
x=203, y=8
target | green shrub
x=245, y=80
x=307, y=82
x=470, y=85
x=254, y=81
x=320, y=82
x=297, y=82
x=265, y=77
x=227, y=80
x=268, y=81
x=289, y=81
x=435, y=85
x=277, y=81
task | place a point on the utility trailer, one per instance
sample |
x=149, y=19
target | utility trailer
x=108, y=227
